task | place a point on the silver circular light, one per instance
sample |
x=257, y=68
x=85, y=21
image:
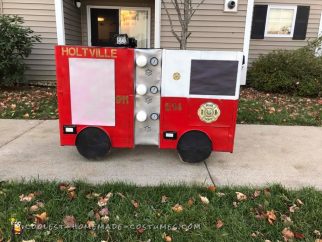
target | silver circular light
x=141, y=116
x=141, y=61
x=141, y=89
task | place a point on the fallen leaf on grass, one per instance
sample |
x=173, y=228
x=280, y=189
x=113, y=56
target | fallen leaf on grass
x=287, y=221
x=241, y=196
x=235, y=204
x=256, y=234
x=34, y=208
x=219, y=224
x=191, y=201
x=92, y=234
x=317, y=233
x=72, y=195
x=267, y=192
x=63, y=186
x=220, y=194
x=90, y=224
x=164, y=199
x=293, y=208
x=27, y=198
x=135, y=203
x=299, y=202
x=121, y=195
x=166, y=238
x=71, y=189
x=271, y=217
x=256, y=194
x=26, y=115
x=204, y=200
x=103, y=212
x=140, y=230
x=105, y=219
x=287, y=234
x=69, y=221
x=271, y=110
x=92, y=195
x=177, y=208
x=102, y=201
x=41, y=218
x=32, y=240
x=298, y=235
x=212, y=188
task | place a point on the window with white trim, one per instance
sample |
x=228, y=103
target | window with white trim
x=280, y=21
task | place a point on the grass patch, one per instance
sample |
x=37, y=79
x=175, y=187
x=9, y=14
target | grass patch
x=254, y=107
x=28, y=103
x=239, y=221
x=266, y=108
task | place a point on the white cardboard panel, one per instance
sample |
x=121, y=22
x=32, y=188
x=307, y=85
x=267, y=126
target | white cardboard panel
x=180, y=61
x=92, y=90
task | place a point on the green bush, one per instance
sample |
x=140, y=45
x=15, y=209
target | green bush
x=297, y=72
x=16, y=42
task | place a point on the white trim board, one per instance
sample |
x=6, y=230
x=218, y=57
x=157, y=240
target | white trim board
x=157, y=23
x=89, y=30
x=247, y=33
x=60, y=25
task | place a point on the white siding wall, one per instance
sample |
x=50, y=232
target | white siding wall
x=211, y=27
x=72, y=21
x=39, y=15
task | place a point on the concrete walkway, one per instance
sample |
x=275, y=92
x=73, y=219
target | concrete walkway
x=263, y=154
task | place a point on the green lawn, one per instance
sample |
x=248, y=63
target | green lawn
x=267, y=214
x=265, y=108
x=254, y=107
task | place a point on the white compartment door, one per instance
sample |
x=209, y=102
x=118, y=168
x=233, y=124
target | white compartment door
x=92, y=91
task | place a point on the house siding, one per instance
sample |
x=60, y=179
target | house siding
x=123, y=3
x=72, y=22
x=211, y=27
x=264, y=46
x=39, y=15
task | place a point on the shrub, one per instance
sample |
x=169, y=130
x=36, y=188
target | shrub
x=16, y=42
x=297, y=72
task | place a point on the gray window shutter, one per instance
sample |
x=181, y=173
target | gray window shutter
x=302, y=18
x=259, y=21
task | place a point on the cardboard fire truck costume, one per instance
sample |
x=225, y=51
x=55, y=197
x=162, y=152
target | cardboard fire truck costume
x=122, y=97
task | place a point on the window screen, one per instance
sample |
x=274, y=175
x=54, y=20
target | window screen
x=213, y=77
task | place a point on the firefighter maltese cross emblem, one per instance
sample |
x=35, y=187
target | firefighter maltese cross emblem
x=208, y=112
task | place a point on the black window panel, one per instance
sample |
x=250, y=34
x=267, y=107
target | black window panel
x=259, y=21
x=213, y=77
x=302, y=18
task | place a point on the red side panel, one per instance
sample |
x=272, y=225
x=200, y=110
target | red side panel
x=122, y=134
x=181, y=115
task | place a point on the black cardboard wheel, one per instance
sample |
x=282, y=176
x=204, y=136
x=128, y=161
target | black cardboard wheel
x=93, y=143
x=194, y=146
